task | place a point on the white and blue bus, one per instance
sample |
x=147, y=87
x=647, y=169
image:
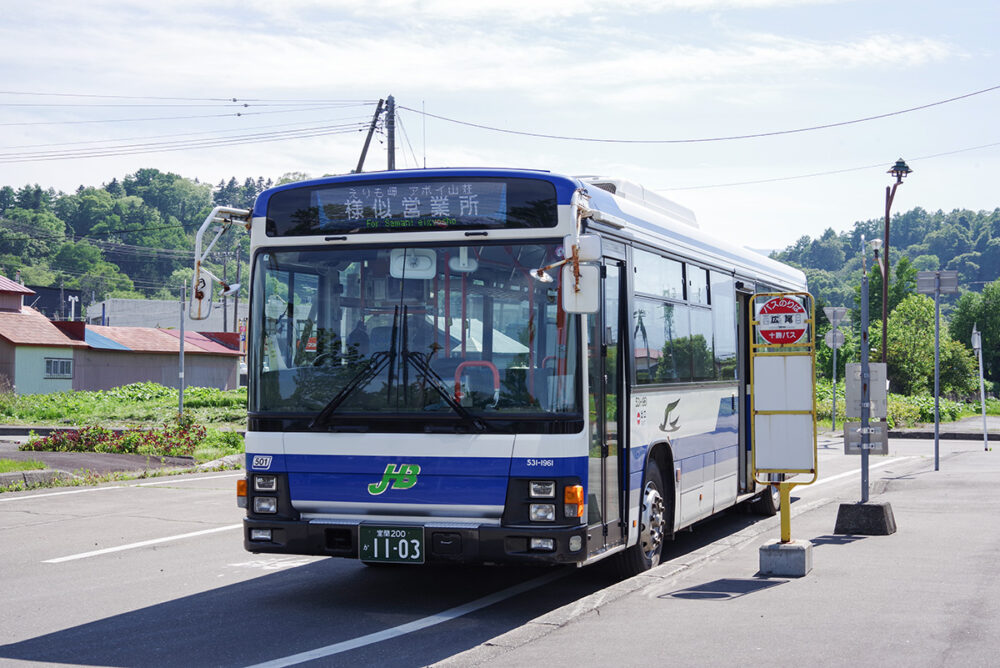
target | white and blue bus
x=491, y=365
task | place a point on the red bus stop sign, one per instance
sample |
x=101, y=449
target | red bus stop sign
x=782, y=320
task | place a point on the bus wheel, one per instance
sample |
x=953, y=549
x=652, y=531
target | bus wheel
x=652, y=529
x=768, y=502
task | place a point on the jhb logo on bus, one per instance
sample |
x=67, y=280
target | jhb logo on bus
x=403, y=476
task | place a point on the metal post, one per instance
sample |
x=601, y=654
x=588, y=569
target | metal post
x=390, y=130
x=225, y=298
x=368, y=139
x=982, y=401
x=890, y=192
x=833, y=414
x=785, y=496
x=236, y=296
x=865, y=377
x=937, y=368
x=180, y=374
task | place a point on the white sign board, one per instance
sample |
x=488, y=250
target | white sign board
x=878, y=438
x=878, y=391
x=783, y=442
x=834, y=338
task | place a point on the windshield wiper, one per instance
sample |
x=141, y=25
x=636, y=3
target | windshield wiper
x=425, y=370
x=373, y=367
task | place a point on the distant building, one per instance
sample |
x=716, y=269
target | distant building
x=38, y=356
x=55, y=303
x=163, y=313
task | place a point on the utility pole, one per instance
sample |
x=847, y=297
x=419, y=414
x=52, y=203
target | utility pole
x=390, y=130
x=368, y=139
x=180, y=372
x=236, y=295
x=225, y=298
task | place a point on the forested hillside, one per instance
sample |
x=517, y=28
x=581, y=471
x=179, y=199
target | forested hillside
x=965, y=241
x=127, y=238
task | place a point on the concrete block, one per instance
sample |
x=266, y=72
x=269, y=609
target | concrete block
x=792, y=559
x=865, y=519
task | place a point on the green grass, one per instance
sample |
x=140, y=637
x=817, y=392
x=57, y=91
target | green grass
x=11, y=465
x=147, y=406
x=129, y=405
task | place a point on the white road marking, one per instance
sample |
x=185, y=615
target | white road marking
x=132, y=546
x=416, y=625
x=104, y=489
x=858, y=470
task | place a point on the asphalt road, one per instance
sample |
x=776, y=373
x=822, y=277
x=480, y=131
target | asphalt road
x=153, y=573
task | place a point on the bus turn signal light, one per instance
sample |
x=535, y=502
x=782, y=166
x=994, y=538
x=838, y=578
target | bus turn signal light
x=573, y=498
x=241, y=493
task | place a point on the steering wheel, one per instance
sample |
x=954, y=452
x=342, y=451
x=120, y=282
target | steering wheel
x=323, y=359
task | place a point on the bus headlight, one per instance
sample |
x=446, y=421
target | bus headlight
x=542, y=489
x=265, y=504
x=542, y=512
x=265, y=483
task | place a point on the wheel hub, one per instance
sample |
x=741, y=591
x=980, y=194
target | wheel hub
x=652, y=521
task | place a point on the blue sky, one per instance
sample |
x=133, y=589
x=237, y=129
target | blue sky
x=659, y=69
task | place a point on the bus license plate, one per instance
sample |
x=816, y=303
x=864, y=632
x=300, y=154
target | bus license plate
x=398, y=545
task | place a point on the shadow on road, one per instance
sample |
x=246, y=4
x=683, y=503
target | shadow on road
x=332, y=601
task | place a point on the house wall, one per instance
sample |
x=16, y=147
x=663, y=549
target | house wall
x=29, y=370
x=10, y=301
x=6, y=365
x=105, y=369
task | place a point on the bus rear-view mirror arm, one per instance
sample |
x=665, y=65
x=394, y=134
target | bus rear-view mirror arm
x=202, y=281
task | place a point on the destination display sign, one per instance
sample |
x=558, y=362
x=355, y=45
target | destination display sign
x=412, y=205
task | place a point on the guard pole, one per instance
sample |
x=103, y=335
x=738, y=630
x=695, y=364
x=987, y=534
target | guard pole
x=785, y=492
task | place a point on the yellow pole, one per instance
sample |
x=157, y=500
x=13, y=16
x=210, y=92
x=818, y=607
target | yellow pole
x=785, y=493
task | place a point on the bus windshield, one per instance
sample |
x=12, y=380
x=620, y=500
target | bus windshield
x=463, y=332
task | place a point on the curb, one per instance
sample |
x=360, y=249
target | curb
x=550, y=621
x=34, y=477
x=950, y=435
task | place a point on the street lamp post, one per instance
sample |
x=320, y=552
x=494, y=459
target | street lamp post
x=900, y=170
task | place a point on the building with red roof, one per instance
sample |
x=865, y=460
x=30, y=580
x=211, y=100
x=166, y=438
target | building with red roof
x=38, y=356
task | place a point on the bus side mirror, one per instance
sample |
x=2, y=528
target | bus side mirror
x=583, y=296
x=588, y=247
x=201, y=296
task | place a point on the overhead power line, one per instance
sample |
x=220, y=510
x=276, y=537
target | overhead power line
x=180, y=145
x=702, y=139
x=183, y=118
x=831, y=172
x=185, y=99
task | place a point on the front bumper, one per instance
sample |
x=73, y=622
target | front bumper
x=443, y=543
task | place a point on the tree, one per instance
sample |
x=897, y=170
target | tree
x=910, y=350
x=984, y=311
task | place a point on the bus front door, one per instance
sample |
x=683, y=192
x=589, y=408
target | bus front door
x=606, y=412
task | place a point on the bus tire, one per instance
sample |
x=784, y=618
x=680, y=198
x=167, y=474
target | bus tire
x=767, y=503
x=655, y=511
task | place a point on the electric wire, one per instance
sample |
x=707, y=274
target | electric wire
x=192, y=99
x=162, y=147
x=352, y=119
x=178, y=118
x=825, y=173
x=406, y=137
x=701, y=140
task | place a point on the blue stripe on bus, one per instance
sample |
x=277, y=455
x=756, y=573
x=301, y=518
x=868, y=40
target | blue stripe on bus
x=442, y=480
x=429, y=490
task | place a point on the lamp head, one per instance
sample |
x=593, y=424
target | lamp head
x=900, y=170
